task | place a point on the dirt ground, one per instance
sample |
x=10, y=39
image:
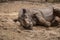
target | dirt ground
x=9, y=30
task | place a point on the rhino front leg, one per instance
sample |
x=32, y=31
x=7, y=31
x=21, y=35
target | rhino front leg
x=42, y=20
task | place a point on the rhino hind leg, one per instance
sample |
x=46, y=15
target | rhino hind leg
x=56, y=21
x=42, y=21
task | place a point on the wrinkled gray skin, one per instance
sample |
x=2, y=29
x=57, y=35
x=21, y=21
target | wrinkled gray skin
x=25, y=19
x=30, y=17
x=43, y=16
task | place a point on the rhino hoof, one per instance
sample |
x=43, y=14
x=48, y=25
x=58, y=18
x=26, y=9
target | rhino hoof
x=27, y=27
x=47, y=24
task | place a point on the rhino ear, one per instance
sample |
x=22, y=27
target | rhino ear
x=24, y=11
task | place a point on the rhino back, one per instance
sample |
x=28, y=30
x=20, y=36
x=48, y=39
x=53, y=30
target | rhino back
x=47, y=13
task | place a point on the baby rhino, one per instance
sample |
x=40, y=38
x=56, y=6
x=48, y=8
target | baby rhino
x=31, y=17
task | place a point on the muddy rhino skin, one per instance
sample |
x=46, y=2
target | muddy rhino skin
x=26, y=17
x=30, y=17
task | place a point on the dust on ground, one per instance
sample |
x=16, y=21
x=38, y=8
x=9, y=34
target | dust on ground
x=9, y=30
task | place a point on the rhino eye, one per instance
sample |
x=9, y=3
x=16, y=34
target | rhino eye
x=24, y=10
